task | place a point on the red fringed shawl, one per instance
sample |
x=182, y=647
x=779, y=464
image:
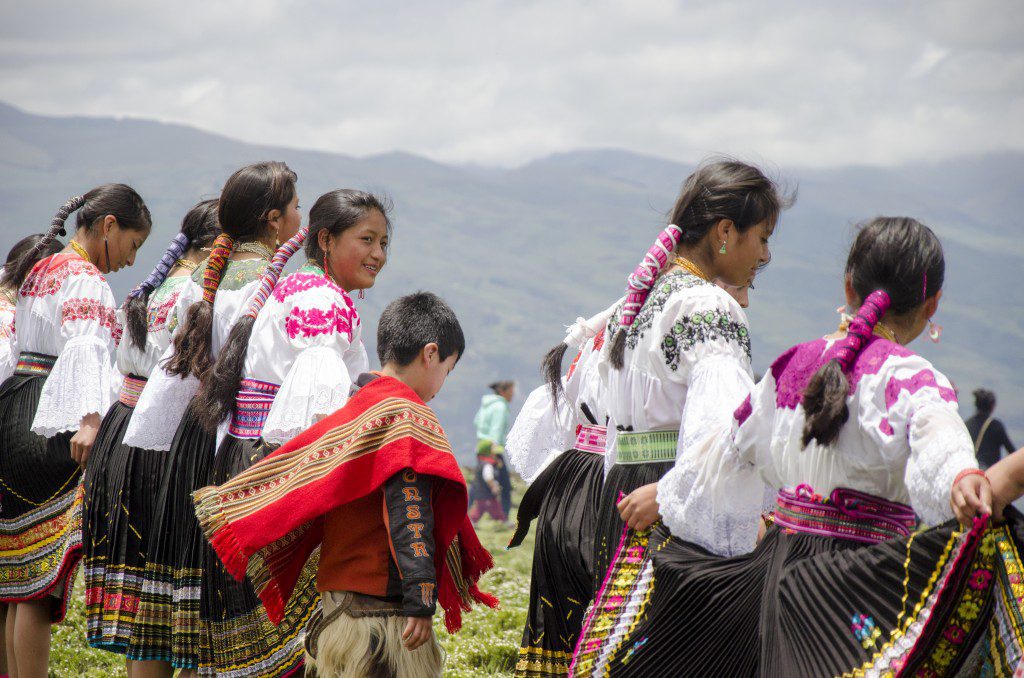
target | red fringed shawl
x=265, y=522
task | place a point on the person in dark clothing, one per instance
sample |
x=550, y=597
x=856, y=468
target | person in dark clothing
x=989, y=434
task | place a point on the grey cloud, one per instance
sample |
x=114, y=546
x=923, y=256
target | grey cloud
x=501, y=83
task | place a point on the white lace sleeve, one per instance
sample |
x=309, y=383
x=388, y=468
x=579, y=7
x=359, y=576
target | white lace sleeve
x=712, y=497
x=82, y=382
x=317, y=385
x=921, y=409
x=540, y=432
x=84, y=379
x=940, y=448
x=160, y=408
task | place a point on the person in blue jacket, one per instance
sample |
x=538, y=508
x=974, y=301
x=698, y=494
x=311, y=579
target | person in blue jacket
x=493, y=420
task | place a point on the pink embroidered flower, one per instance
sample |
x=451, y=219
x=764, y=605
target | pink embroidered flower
x=885, y=427
x=613, y=602
x=157, y=316
x=923, y=379
x=744, y=411
x=980, y=579
x=92, y=309
x=312, y=322
x=954, y=634
x=50, y=273
x=634, y=554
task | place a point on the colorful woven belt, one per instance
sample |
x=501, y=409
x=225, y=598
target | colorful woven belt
x=591, y=439
x=131, y=389
x=35, y=363
x=252, y=406
x=846, y=514
x=646, y=447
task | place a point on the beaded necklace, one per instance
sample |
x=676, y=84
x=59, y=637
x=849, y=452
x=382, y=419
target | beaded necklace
x=186, y=264
x=255, y=247
x=691, y=267
x=79, y=250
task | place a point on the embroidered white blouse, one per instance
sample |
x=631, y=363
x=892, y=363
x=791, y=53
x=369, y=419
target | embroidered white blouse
x=904, y=441
x=66, y=309
x=165, y=398
x=8, y=345
x=165, y=312
x=686, y=364
x=544, y=429
x=307, y=339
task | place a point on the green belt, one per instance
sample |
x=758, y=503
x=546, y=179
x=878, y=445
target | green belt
x=646, y=447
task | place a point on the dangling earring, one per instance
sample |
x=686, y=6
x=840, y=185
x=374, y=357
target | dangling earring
x=327, y=271
x=721, y=250
x=362, y=294
x=934, y=331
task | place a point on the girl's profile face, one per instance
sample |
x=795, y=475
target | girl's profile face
x=745, y=253
x=290, y=220
x=357, y=255
x=122, y=244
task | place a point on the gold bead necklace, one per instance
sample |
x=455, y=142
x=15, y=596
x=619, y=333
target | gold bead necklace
x=256, y=247
x=79, y=250
x=687, y=265
x=187, y=264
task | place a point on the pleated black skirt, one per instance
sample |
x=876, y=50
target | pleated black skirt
x=167, y=624
x=563, y=500
x=242, y=640
x=621, y=480
x=808, y=605
x=40, y=503
x=121, y=486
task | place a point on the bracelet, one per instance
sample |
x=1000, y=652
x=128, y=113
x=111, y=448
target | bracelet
x=970, y=472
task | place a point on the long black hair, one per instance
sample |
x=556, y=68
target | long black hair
x=333, y=212
x=31, y=243
x=117, y=200
x=198, y=228
x=249, y=196
x=897, y=256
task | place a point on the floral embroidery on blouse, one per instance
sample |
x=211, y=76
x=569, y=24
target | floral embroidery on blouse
x=663, y=289
x=156, y=317
x=702, y=327
x=45, y=280
x=308, y=277
x=312, y=322
x=236, y=275
x=92, y=309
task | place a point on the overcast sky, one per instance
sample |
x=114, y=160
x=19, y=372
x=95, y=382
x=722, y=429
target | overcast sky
x=796, y=83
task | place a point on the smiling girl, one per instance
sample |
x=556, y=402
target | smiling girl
x=50, y=409
x=288, y=363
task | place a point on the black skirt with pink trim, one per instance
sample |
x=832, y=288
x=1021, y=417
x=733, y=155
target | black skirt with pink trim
x=563, y=500
x=40, y=497
x=933, y=602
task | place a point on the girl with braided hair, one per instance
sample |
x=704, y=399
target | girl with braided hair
x=288, y=363
x=257, y=209
x=122, y=481
x=676, y=357
x=50, y=408
x=860, y=443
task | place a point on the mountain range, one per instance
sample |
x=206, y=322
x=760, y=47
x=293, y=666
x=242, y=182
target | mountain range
x=521, y=252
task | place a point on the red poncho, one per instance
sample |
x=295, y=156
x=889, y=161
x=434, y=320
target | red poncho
x=266, y=521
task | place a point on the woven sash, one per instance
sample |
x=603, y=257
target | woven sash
x=846, y=514
x=646, y=447
x=591, y=439
x=35, y=363
x=131, y=389
x=252, y=406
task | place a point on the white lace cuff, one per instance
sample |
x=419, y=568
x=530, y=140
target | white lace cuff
x=539, y=432
x=83, y=381
x=317, y=385
x=712, y=499
x=940, y=448
x=159, y=411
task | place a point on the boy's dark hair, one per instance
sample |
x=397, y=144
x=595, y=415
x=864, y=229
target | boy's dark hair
x=411, y=322
x=899, y=256
x=984, y=401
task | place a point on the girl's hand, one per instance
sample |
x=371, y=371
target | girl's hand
x=640, y=507
x=82, y=441
x=417, y=631
x=971, y=496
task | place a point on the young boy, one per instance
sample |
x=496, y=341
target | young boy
x=376, y=486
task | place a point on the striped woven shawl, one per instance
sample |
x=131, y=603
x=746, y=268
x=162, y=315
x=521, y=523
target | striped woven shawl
x=266, y=521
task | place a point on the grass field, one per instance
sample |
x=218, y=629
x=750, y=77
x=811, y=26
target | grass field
x=486, y=645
